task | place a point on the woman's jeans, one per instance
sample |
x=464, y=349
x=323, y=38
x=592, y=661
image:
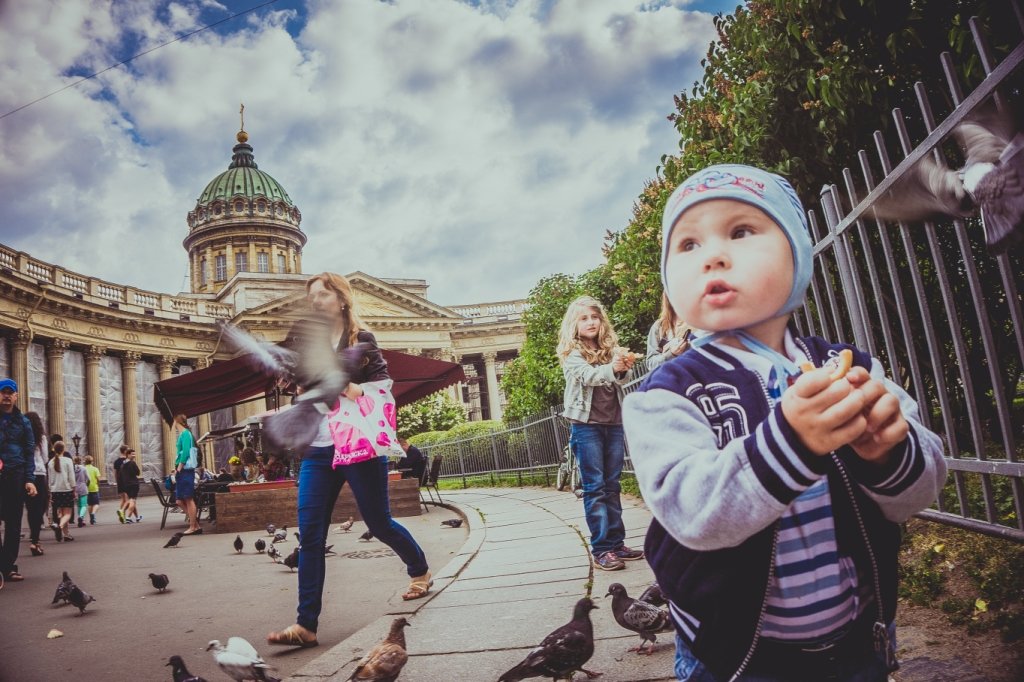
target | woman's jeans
x=319, y=486
x=600, y=451
x=36, y=508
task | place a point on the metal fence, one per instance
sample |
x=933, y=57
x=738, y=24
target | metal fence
x=942, y=316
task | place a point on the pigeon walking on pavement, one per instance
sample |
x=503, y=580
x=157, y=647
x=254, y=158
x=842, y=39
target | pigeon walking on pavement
x=638, y=616
x=562, y=652
x=274, y=553
x=384, y=662
x=175, y=539
x=271, y=528
x=159, y=580
x=292, y=560
x=180, y=673
x=280, y=536
x=63, y=589
x=260, y=545
x=653, y=596
x=452, y=523
x=79, y=598
x=366, y=537
x=346, y=526
x=240, y=661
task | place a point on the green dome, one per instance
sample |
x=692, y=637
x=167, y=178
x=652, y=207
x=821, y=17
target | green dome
x=243, y=177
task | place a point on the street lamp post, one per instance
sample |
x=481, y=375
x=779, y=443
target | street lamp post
x=76, y=439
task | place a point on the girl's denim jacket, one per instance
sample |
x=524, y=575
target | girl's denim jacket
x=580, y=380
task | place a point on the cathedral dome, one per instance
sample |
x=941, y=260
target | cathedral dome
x=243, y=178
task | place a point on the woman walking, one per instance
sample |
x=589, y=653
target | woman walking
x=61, y=471
x=595, y=369
x=37, y=504
x=185, y=474
x=330, y=295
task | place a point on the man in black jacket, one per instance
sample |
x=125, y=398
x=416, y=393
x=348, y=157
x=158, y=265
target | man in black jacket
x=17, y=445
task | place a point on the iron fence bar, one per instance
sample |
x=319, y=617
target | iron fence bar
x=815, y=293
x=990, y=529
x=876, y=289
x=830, y=293
x=854, y=294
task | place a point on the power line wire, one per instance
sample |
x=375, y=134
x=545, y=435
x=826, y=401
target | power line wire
x=136, y=56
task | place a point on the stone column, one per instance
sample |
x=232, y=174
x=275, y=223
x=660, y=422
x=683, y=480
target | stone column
x=164, y=365
x=93, y=417
x=130, y=400
x=19, y=365
x=204, y=424
x=455, y=390
x=253, y=265
x=210, y=268
x=229, y=252
x=289, y=266
x=55, y=385
x=493, y=394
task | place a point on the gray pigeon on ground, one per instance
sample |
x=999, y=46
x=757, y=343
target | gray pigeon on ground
x=384, y=662
x=346, y=526
x=79, y=598
x=63, y=589
x=292, y=560
x=240, y=660
x=280, y=536
x=260, y=545
x=274, y=553
x=452, y=523
x=638, y=616
x=238, y=544
x=562, y=652
x=175, y=539
x=271, y=528
x=159, y=580
x=653, y=596
x=180, y=672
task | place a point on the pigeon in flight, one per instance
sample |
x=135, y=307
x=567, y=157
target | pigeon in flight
x=346, y=526
x=384, y=662
x=238, y=544
x=653, y=596
x=366, y=537
x=79, y=598
x=991, y=180
x=562, y=652
x=240, y=660
x=452, y=523
x=159, y=580
x=638, y=616
x=260, y=545
x=180, y=672
x=175, y=539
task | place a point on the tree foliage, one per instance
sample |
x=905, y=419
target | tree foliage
x=437, y=412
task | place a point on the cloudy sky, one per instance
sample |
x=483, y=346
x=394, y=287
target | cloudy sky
x=480, y=145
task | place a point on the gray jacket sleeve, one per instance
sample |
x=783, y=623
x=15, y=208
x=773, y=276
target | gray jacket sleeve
x=576, y=368
x=655, y=358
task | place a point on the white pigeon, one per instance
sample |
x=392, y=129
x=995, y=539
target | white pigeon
x=240, y=661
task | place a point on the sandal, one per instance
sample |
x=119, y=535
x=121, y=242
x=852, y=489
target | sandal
x=36, y=549
x=14, y=577
x=419, y=587
x=293, y=635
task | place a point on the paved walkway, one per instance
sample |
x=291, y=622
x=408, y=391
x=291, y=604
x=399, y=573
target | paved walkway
x=524, y=565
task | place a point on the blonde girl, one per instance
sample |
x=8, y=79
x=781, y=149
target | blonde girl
x=595, y=368
x=668, y=338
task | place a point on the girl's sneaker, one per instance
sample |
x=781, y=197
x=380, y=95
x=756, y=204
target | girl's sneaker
x=120, y=515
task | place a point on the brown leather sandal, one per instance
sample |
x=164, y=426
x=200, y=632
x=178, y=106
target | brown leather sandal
x=419, y=587
x=293, y=635
x=36, y=549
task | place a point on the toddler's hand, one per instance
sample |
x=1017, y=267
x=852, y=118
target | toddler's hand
x=826, y=414
x=885, y=426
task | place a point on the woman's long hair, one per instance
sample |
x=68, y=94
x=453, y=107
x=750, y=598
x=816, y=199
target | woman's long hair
x=38, y=432
x=179, y=419
x=58, y=455
x=340, y=286
x=569, y=339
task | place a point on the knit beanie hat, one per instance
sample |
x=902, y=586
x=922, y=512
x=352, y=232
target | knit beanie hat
x=769, y=192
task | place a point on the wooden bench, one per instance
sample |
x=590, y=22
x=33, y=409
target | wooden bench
x=254, y=509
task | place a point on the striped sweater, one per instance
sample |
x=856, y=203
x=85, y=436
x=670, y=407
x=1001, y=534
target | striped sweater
x=738, y=499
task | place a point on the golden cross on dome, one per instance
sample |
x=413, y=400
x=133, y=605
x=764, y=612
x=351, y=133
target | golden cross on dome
x=241, y=114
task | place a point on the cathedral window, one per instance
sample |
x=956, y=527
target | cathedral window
x=202, y=271
x=241, y=262
x=281, y=262
x=222, y=267
x=239, y=206
x=263, y=261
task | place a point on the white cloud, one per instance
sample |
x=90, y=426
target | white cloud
x=480, y=148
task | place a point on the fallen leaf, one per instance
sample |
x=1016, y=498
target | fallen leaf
x=981, y=605
x=54, y=634
x=938, y=548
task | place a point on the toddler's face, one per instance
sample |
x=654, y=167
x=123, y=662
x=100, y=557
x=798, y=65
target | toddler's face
x=588, y=325
x=729, y=266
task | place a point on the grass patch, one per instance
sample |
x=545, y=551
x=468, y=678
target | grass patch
x=513, y=479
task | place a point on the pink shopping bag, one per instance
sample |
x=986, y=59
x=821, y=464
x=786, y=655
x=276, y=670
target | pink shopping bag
x=364, y=428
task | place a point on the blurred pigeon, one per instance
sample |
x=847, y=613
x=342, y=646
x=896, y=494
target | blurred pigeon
x=292, y=560
x=175, y=539
x=385, y=661
x=329, y=549
x=298, y=537
x=306, y=359
x=273, y=552
x=638, y=616
x=280, y=536
x=366, y=537
x=271, y=528
x=159, y=580
x=240, y=660
x=653, y=596
x=992, y=180
x=562, y=652
x=63, y=589
x=180, y=672
x=346, y=526
x=80, y=598
x=260, y=545
x=452, y=523
x=238, y=544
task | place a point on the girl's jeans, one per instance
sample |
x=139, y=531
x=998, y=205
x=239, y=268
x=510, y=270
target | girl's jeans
x=600, y=450
x=319, y=486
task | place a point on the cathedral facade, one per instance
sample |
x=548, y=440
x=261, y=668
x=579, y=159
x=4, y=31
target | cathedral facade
x=86, y=352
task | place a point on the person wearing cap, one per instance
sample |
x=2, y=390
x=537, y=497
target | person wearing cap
x=17, y=455
x=777, y=468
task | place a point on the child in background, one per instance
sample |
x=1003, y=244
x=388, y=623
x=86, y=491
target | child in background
x=776, y=494
x=81, y=490
x=668, y=338
x=595, y=369
x=93, y=489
